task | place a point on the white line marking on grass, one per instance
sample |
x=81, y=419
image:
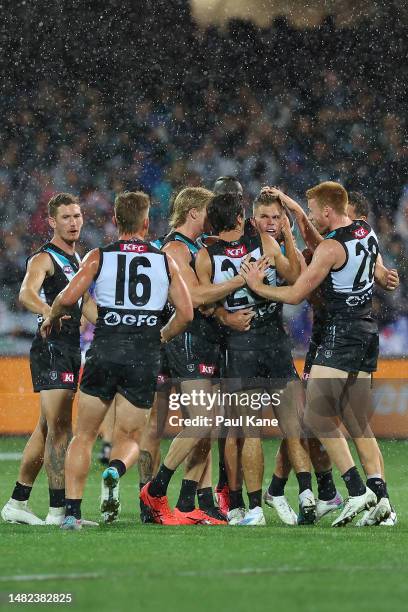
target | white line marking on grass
x=242, y=571
x=10, y=456
x=44, y=577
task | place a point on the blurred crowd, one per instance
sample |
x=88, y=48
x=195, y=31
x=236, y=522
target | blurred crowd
x=267, y=106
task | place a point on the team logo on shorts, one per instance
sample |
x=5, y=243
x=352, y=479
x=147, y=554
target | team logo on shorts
x=190, y=367
x=53, y=375
x=205, y=368
x=328, y=354
x=67, y=377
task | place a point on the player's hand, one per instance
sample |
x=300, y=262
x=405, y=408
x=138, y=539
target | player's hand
x=208, y=310
x=52, y=324
x=253, y=272
x=286, y=229
x=392, y=280
x=239, y=320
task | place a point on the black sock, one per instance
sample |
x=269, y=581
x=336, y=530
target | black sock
x=186, y=500
x=119, y=465
x=73, y=507
x=57, y=498
x=222, y=475
x=236, y=500
x=141, y=485
x=255, y=499
x=304, y=480
x=159, y=484
x=21, y=492
x=326, y=488
x=277, y=486
x=205, y=498
x=386, y=490
x=378, y=486
x=352, y=479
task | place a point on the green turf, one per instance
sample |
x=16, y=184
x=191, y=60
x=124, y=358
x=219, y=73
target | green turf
x=134, y=566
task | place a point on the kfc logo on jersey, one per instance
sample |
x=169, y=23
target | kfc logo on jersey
x=133, y=248
x=239, y=251
x=204, y=368
x=361, y=232
x=67, y=377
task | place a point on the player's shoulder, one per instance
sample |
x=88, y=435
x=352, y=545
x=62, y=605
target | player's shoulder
x=356, y=230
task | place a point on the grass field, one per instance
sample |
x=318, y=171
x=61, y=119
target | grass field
x=198, y=568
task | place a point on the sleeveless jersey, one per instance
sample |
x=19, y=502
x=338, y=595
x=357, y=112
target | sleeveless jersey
x=207, y=327
x=226, y=258
x=347, y=291
x=65, y=268
x=131, y=289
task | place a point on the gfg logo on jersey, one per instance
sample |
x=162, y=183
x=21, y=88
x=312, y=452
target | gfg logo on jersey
x=114, y=318
x=236, y=251
x=205, y=368
x=134, y=248
x=361, y=232
x=358, y=300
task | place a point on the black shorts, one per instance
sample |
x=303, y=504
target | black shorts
x=164, y=375
x=315, y=341
x=192, y=357
x=135, y=380
x=54, y=365
x=250, y=369
x=348, y=346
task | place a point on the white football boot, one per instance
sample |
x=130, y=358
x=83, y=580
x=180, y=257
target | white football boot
x=19, y=512
x=353, y=506
x=284, y=510
x=307, y=508
x=252, y=517
x=325, y=507
x=110, y=503
x=235, y=516
x=377, y=514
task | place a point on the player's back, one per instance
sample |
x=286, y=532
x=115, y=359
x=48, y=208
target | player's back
x=226, y=259
x=131, y=290
x=347, y=291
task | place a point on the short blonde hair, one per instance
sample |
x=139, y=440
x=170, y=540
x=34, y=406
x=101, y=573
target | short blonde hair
x=330, y=194
x=131, y=209
x=187, y=199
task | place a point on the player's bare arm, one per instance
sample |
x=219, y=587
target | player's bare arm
x=308, y=231
x=240, y=320
x=288, y=268
x=328, y=255
x=76, y=288
x=89, y=308
x=38, y=268
x=385, y=278
x=201, y=293
x=180, y=298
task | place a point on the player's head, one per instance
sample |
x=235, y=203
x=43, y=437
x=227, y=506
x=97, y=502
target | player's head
x=190, y=205
x=228, y=184
x=358, y=206
x=65, y=217
x=268, y=214
x=226, y=213
x=326, y=202
x=132, y=213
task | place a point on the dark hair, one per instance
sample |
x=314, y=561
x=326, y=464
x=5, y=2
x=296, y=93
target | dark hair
x=223, y=210
x=227, y=184
x=266, y=199
x=60, y=199
x=360, y=203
